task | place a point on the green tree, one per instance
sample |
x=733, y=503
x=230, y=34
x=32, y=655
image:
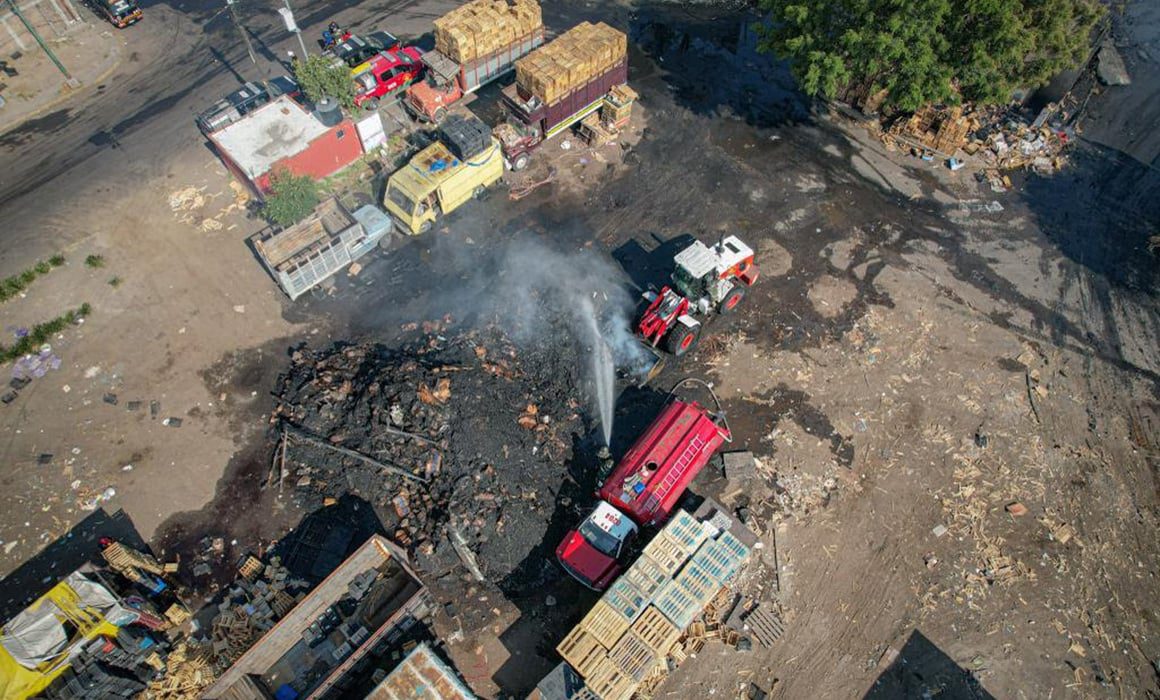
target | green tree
x=920, y=52
x=324, y=77
x=291, y=199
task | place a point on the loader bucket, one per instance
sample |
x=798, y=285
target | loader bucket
x=651, y=368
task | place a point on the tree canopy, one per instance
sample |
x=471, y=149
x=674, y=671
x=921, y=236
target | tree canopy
x=320, y=77
x=919, y=52
x=291, y=198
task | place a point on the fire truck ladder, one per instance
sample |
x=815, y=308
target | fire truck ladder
x=662, y=490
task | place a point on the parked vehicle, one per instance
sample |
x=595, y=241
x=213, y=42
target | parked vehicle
x=642, y=491
x=444, y=176
x=386, y=74
x=121, y=13
x=547, y=100
x=449, y=81
x=355, y=50
x=705, y=279
x=244, y=100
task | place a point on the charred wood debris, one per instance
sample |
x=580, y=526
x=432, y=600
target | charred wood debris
x=460, y=442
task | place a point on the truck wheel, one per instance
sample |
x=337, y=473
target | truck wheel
x=440, y=114
x=520, y=162
x=731, y=300
x=682, y=339
x=424, y=227
x=371, y=104
x=479, y=191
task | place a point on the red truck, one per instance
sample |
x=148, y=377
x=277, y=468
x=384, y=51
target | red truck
x=448, y=81
x=642, y=491
x=385, y=74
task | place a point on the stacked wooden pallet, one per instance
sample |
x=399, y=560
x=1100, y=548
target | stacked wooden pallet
x=627, y=637
x=483, y=27
x=188, y=672
x=573, y=59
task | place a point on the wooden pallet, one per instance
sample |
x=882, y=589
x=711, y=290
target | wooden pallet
x=633, y=656
x=698, y=583
x=626, y=599
x=667, y=553
x=582, y=651
x=610, y=683
x=604, y=623
x=764, y=624
x=685, y=530
x=655, y=630
x=646, y=575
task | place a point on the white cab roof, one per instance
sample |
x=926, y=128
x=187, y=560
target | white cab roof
x=700, y=259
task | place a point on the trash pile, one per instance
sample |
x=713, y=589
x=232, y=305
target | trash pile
x=999, y=138
x=460, y=443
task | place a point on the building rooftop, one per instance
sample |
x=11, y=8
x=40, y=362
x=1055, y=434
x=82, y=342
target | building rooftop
x=270, y=133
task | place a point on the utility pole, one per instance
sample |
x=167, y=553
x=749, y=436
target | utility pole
x=291, y=25
x=72, y=82
x=242, y=30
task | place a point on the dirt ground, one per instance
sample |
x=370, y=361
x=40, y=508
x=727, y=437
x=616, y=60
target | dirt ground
x=908, y=362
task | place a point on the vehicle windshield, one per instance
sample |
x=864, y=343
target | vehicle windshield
x=686, y=284
x=400, y=199
x=122, y=8
x=601, y=540
x=364, y=82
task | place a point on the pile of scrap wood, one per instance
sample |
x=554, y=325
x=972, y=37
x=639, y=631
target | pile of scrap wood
x=576, y=57
x=1000, y=139
x=938, y=129
x=188, y=671
x=482, y=27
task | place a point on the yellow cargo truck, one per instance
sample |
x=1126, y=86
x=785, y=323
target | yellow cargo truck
x=441, y=177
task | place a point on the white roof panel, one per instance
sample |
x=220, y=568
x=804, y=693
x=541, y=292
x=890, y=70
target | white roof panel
x=270, y=133
x=698, y=259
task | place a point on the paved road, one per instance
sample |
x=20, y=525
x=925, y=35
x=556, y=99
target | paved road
x=179, y=60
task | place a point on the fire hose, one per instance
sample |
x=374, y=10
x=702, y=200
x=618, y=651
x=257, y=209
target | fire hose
x=709, y=388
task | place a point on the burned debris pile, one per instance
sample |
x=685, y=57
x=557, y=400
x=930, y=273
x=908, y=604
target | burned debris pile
x=461, y=443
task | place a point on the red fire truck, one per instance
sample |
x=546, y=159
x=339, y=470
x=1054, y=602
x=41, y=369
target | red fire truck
x=643, y=490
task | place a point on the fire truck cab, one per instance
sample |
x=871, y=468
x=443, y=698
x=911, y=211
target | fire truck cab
x=642, y=490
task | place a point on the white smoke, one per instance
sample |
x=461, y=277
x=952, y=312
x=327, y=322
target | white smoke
x=530, y=289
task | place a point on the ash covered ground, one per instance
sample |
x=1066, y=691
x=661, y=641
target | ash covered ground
x=487, y=429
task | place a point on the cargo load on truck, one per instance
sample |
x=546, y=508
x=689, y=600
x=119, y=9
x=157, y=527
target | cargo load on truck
x=483, y=27
x=437, y=180
x=458, y=67
x=570, y=61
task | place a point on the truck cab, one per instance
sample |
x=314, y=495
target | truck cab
x=386, y=74
x=642, y=491
x=591, y=552
x=121, y=13
x=438, y=180
x=518, y=140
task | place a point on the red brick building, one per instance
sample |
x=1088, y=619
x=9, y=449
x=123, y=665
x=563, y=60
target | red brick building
x=283, y=135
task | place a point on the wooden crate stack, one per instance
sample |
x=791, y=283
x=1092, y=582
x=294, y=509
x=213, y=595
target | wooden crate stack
x=572, y=59
x=647, y=617
x=188, y=671
x=483, y=27
x=617, y=107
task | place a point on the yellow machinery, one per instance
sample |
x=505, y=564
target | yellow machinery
x=34, y=650
x=435, y=182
